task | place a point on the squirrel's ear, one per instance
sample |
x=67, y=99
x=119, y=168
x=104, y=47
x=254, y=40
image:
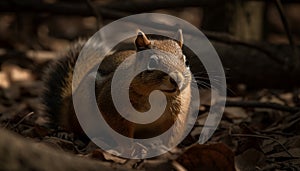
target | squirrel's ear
x=179, y=37
x=141, y=40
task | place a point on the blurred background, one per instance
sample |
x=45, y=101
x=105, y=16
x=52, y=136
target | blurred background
x=38, y=29
x=257, y=41
x=52, y=24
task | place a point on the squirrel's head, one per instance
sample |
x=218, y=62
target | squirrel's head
x=167, y=67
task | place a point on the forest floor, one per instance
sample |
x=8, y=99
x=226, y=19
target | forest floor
x=252, y=135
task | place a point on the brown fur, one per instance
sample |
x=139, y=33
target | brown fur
x=140, y=88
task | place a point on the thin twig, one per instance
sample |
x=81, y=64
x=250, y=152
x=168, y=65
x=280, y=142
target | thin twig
x=264, y=137
x=178, y=167
x=26, y=116
x=255, y=104
x=6, y=124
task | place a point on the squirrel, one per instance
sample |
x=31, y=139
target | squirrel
x=57, y=97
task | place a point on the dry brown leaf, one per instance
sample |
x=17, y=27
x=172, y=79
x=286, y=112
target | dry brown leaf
x=212, y=157
x=249, y=159
x=17, y=73
x=97, y=154
x=236, y=114
x=4, y=83
x=110, y=157
x=41, y=56
x=288, y=97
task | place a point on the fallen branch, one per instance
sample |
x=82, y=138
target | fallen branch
x=268, y=105
x=254, y=67
x=19, y=154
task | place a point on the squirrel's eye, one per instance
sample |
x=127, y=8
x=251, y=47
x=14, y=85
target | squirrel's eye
x=186, y=62
x=153, y=62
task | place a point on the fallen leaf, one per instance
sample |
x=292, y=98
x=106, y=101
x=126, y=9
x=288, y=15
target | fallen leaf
x=4, y=83
x=212, y=157
x=236, y=114
x=17, y=73
x=249, y=159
